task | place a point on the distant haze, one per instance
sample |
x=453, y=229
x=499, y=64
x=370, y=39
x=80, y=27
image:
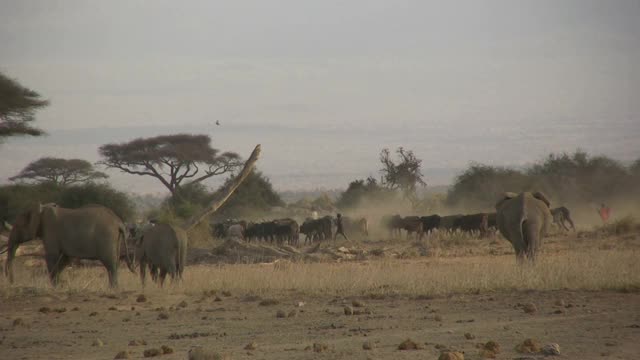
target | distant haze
x=325, y=85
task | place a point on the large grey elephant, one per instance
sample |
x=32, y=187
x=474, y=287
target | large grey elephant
x=162, y=247
x=93, y=232
x=524, y=220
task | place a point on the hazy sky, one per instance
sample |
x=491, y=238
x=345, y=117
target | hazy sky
x=324, y=85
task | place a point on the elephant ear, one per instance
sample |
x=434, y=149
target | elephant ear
x=506, y=196
x=540, y=196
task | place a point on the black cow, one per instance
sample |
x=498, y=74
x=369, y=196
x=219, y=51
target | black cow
x=430, y=223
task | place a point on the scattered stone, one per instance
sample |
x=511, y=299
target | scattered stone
x=357, y=303
x=251, y=346
x=44, y=310
x=529, y=308
x=559, y=311
x=489, y=350
x=348, y=310
x=18, y=322
x=93, y=313
x=281, y=314
x=292, y=313
x=551, y=349
x=166, y=349
x=153, y=352
x=97, y=343
x=367, y=345
x=320, y=347
x=204, y=354
x=529, y=346
x=451, y=355
x=112, y=308
x=437, y=318
x=75, y=309
x=559, y=302
x=163, y=316
x=60, y=310
x=137, y=342
x=469, y=336
x=123, y=355
x=217, y=299
x=183, y=304
x=441, y=347
x=269, y=302
x=300, y=304
x=409, y=345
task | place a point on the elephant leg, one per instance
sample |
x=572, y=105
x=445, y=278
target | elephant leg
x=112, y=271
x=153, y=270
x=163, y=276
x=143, y=270
x=55, y=264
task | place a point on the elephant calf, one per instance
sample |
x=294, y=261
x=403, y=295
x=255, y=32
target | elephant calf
x=524, y=220
x=164, y=248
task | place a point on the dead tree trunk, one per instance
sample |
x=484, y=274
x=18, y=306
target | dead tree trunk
x=224, y=194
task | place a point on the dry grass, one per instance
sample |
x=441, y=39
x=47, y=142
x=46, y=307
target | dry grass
x=591, y=270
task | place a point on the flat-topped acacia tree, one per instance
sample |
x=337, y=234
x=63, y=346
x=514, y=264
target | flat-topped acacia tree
x=18, y=105
x=61, y=172
x=174, y=160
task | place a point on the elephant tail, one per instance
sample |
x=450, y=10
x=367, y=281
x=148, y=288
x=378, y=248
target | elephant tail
x=531, y=238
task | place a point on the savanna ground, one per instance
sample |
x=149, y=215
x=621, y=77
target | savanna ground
x=448, y=292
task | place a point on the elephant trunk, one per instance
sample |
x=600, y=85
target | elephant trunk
x=128, y=260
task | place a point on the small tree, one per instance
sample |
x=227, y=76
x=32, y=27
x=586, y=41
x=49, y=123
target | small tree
x=17, y=108
x=61, y=172
x=360, y=190
x=172, y=159
x=254, y=196
x=405, y=175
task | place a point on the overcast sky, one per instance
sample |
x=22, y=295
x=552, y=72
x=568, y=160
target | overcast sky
x=324, y=85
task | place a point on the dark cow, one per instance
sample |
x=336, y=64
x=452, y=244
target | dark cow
x=472, y=223
x=430, y=223
x=318, y=229
x=393, y=223
x=560, y=216
x=286, y=230
x=413, y=224
x=448, y=222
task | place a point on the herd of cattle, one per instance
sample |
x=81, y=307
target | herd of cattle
x=288, y=231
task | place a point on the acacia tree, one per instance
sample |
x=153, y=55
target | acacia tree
x=59, y=171
x=405, y=175
x=17, y=108
x=174, y=160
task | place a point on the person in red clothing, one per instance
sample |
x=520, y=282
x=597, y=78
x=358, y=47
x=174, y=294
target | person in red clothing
x=604, y=212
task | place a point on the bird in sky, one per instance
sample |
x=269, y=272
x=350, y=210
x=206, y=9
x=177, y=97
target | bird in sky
x=218, y=122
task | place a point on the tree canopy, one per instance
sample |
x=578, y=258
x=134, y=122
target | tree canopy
x=565, y=178
x=404, y=175
x=174, y=160
x=18, y=105
x=254, y=196
x=360, y=190
x=59, y=171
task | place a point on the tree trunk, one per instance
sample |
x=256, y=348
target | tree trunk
x=224, y=194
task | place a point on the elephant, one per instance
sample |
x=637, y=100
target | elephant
x=524, y=220
x=92, y=232
x=164, y=248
